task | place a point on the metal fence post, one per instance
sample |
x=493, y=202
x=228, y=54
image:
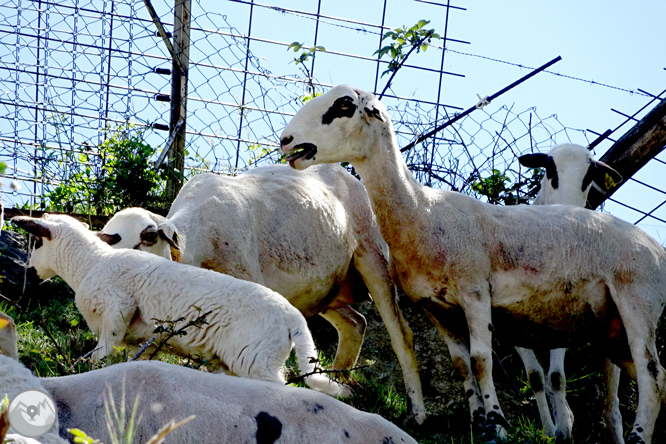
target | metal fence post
x=181, y=46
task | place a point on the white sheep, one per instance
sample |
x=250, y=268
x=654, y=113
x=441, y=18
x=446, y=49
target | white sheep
x=539, y=276
x=570, y=173
x=310, y=236
x=15, y=378
x=226, y=409
x=120, y=293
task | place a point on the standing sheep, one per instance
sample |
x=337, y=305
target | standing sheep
x=570, y=172
x=544, y=276
x=226, y=410
x=250, y=328
x=311, y=236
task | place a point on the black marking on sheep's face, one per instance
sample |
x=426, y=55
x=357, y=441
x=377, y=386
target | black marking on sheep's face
x=551, y=173
x=589, y=176
x=39, y=243
x=346, y=434
x=469, y=393
x=556, y=381
x=536, y=381
x=478, y=419
x=148, y=236
x=342, y=107
x=269, y=428
x=388, y=440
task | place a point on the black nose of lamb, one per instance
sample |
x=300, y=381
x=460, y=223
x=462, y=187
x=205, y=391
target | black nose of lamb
x=286, y=140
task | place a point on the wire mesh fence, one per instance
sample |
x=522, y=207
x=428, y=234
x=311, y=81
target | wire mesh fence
x=73, y=72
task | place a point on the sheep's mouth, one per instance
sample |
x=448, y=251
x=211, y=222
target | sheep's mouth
x=302, y=150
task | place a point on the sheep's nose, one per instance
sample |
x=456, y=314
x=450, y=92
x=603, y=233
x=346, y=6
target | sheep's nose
x=286, y=140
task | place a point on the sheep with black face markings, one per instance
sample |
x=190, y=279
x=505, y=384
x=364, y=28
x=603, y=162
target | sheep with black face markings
x=570, y=173
x=226, y=409
x=250, y=328
x=311, y=236
x=538, y=276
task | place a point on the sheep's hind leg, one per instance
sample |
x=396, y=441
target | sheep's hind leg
x=350, y=326
x=557, y=391
x=537, y=381
x=461, y=361
x=612, y=402
x=475, y=302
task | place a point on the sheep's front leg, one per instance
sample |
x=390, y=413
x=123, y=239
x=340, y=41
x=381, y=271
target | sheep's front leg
x=537, y=381
x=372, y=266
x=350, y=325
x=476, y=304
x=460, y=358
x=114, y=324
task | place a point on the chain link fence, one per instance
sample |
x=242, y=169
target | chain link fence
x=73, y=72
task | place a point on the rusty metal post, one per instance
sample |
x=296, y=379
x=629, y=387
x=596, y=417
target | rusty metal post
x=179, y=80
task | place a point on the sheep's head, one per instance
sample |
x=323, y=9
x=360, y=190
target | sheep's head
x=8, y=341
x=48, y=232
x=570, y=171
x=142, y=230
x=335, y=127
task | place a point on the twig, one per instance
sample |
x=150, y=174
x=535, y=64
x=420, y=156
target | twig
x=144, y=347
x=322, y=371
x=195, y=322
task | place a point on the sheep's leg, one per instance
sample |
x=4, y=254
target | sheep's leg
x=475, y=303
x=650, y=376
x=461, y=361
x=537, y=381
x=374, y=271
x=612, y=403
x=112, y=331
x=350, y=325
x=557, y=392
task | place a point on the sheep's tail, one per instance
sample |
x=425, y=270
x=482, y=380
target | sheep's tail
x=306, y=353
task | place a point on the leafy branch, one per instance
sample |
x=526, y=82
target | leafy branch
x=305, y=56
x=416, y=38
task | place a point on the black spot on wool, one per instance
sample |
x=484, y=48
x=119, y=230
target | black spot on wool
x=269, y=428
x=342, y=107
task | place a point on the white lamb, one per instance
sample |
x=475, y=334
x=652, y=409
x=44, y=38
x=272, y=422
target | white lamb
x=120, y=293
x=15, y=378
x=570, y=172
x=310, y=236
x=226, y=410
x=539, y=276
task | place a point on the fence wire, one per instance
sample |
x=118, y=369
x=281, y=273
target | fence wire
x=72, y=72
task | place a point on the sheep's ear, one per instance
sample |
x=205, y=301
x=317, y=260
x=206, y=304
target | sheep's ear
x=168, y=232
x=110, y=239
x=36, y=227
x=535, y=160
x=604, y=175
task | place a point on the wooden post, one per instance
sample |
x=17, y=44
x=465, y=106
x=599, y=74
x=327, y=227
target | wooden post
x=634, y=149
x=179, y=80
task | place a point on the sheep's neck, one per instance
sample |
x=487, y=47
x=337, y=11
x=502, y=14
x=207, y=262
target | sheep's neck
x=75, y=258
x=397, y=198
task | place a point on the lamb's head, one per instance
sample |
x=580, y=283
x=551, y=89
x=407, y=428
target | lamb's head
x=8, y=341
x=142, y=230
x=335, y=127
x=570, y=171
x=49, y=231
